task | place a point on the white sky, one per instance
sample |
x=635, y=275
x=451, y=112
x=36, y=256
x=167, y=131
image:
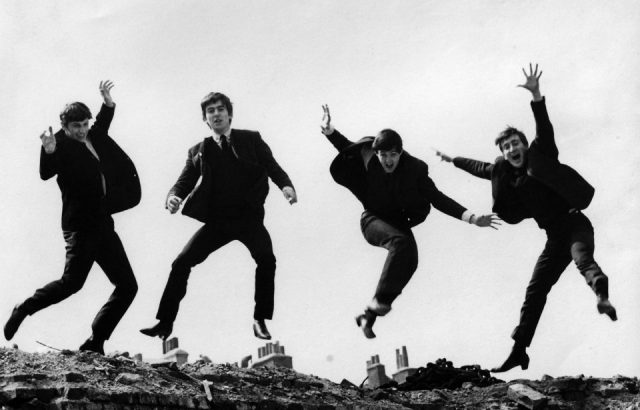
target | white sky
x=442, y=74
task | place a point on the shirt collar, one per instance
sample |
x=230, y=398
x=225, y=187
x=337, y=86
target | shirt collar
x=227, y=134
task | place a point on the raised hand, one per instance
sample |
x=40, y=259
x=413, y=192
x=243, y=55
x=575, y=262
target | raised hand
x=325, y=125
x=173, y=203
x=442, y=155
x=532, y=82
x=105, y=90
x=489, y=220
x=48, y=141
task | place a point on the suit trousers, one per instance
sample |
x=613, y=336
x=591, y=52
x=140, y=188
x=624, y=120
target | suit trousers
x=99, y=244
x=569, y=238
x=402, y=256
x=210, y=237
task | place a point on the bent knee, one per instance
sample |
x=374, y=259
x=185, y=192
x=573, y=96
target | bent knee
x=72, y=286
x=127, y=289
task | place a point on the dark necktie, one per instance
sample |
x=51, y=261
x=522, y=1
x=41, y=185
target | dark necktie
x=224, y=144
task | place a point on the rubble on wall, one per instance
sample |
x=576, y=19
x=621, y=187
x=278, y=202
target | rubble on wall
x=82, y=380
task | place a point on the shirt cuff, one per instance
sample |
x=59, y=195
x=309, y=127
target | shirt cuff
x=466, y=216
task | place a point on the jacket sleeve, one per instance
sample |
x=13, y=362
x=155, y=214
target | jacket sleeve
x=476, y=168
x=189, y=175
x=443, y=203
x=274, y=170
x=545, y=138
x=50, y=163
x=103, y=119
x=439, y=200
x=338, y=140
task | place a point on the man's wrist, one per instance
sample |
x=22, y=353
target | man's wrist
x=468, y=216
x=328, y=130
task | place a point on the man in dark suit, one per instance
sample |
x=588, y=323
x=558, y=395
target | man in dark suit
x=397, y=193
x=96, y=179
x=530, y=182
x=234, y=166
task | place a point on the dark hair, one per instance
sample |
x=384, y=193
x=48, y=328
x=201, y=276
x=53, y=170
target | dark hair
x=387, y=140
x=75, y=111
x=215, y=97
x=507, y=133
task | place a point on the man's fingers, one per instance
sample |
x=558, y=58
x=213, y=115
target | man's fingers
x=524, y=72
x=105, y=85
x=46, y=133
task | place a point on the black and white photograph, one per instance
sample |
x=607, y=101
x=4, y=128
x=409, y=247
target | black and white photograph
x=346, y=193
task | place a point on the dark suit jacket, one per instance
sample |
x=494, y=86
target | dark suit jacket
x=542, y=164
x=79, y=175
x=417, y=191
x=256, y=159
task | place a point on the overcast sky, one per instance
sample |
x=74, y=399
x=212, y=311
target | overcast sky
x=443, y=74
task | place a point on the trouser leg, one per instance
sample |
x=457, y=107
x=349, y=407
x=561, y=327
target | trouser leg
x=258, y=242
x=582, y=248
x=402, y=257
x=205, y=241
x=113, y=260
x=80, y=248
x=551, y=263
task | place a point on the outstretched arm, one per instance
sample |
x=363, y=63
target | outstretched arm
x=532, y=82
x=104, y=117
x=449, y=206
x=476, y=168
x=544, y=130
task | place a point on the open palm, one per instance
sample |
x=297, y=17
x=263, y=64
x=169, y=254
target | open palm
x=532, y=82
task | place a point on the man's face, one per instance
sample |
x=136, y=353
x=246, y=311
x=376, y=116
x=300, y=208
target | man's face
x=77, y=130
x=217, y=117
x=514, y=151
x=389, y=160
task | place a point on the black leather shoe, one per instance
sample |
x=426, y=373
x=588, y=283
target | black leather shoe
x=260, y=330
x=604, y=306
x=517, y=357
x=161, y=329
x=12, y=325
x=93, y=345
x=365, y=322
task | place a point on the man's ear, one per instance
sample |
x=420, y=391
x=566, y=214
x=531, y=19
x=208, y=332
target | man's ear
x=65, y=129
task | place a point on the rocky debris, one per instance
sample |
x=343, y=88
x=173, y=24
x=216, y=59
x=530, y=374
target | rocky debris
x=526, y=396
x=443, y=375
x=83, y=380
